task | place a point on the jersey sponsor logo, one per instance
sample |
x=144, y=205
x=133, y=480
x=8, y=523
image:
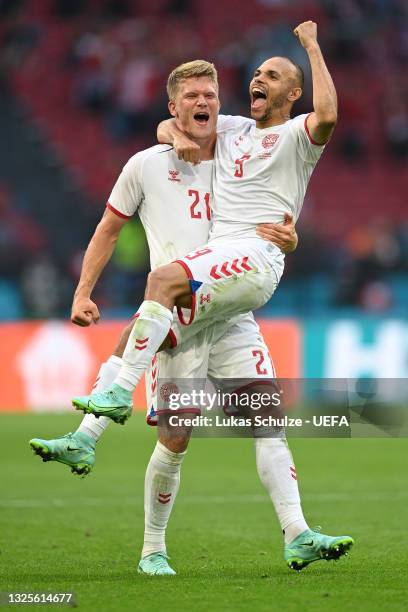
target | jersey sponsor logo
x=168, y=389
x=173, y=174
x=226, y=270
x=269, y=140
x=164, y=498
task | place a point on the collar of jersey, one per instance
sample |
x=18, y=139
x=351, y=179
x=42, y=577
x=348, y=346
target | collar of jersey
x=271, y=129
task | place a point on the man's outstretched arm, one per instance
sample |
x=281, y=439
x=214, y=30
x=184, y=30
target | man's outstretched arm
x=322, y=121
x=97, y=255
x=186, y=149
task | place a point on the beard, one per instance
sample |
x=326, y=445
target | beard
x=273, y=106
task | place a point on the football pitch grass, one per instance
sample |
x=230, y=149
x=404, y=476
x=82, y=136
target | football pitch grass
x=60, y=533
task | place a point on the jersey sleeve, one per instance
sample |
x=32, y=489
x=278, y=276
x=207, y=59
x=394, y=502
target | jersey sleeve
x=232, y=122
x=127, y=193
x=309, y=150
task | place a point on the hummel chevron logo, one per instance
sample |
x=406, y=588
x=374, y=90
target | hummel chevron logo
x=293, y=473
x=164, y=498
x=205, y=298
x=141, y=343
x=307, y=543
x=227, y=268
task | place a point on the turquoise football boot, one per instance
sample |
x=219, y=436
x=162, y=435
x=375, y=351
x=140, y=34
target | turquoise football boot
x=77, y=450
x=155, y=565
x=312, y=546
x=115, y=403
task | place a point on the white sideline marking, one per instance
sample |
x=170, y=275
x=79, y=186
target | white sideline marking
x=194, y=499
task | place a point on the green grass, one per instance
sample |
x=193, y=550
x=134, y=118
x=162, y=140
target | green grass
x=62, y=533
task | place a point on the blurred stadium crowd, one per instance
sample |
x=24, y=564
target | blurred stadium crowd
x=82, y=85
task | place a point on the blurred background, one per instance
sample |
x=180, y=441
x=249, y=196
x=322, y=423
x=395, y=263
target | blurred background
x=82, y=87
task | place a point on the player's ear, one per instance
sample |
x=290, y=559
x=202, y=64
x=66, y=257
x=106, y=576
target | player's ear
x=295, y=94
x=172, y=108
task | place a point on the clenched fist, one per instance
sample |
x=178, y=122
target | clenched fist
x=84, y=312
x=186, y=149
x=306, y=33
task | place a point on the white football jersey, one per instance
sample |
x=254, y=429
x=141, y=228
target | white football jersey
x=259, y=174
x=172, y=198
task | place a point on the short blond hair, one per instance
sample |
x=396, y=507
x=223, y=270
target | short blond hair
x=197, y=68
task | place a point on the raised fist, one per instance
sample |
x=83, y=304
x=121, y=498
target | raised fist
x=306, y=33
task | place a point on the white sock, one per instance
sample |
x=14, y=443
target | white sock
x=150, y=329
x=108, y=371
x=278, y=475
x=162, y=482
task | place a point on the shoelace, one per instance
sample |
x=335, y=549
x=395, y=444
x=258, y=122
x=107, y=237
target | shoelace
x=68, y=435
x=318, y=530
x=162, y=561
x=113, y=395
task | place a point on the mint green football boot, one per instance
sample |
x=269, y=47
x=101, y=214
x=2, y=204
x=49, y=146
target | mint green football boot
x=77, y=450
x=115, y=403
x=155, y=565
x=312, y=546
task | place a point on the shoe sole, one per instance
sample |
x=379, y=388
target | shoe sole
x=82, y=469
x=333, y=553
x=143, y=573
x=121, y=419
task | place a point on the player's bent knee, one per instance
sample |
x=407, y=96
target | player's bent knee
x=170, y=279
x=175, y=444
x=175, y=437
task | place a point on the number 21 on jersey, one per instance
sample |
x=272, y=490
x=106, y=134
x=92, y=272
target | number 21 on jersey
x=197, y=204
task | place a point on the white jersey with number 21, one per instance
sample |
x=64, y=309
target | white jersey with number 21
x=172, y=197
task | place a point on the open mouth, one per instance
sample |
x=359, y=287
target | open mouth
x=202, y=118
x=258, y=97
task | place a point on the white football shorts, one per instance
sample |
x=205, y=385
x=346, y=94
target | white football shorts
x=227, y=280
x=226, y=350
